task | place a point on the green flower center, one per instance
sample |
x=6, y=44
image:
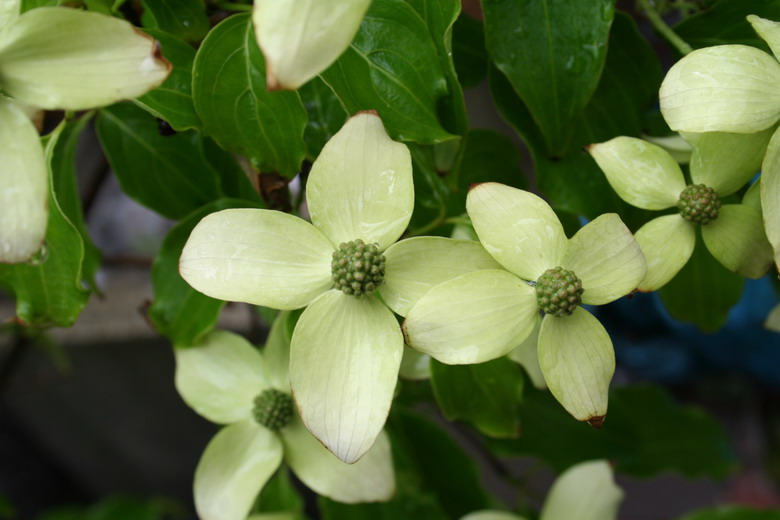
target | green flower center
x=273, y=409
x=357, y=268
x=558, y=292
x=699, y=203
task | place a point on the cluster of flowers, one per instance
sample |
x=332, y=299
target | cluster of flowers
x=517, y=291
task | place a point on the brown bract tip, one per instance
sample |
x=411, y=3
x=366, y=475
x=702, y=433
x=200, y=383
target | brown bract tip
x=596, y=422
x=156, y=49
x=474, y=185
x=370, y=111
x=403, y=331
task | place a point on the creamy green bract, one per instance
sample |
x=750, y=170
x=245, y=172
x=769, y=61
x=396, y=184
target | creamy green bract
x=220, y=378
x=95, y=60
x=347, y=346
x=486, y=314
x=646, y=176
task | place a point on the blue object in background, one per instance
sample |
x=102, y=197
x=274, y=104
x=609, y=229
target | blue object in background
x=655, y=346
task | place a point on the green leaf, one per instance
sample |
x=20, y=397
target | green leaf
x=486, y=155
x=487, y=395
x=326, y=115
x=230, y=95
x=553, y=52
x=279, y=495
x=393, y=67
x=435, y=478
x=628, y=87
x=185, y=19
x=440, y=18
x=646, y=433
x=725, y=23
x=63, y=168
x=172, y=101
x=468, y=51
x=167, y=173
x=733, y=513
x=703, y=291
x=49, y=289
x=178, y=311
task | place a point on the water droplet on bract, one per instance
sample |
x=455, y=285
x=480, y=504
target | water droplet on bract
x=40, y=256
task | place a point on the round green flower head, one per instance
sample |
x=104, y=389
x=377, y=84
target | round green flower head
x=273, y=409
x=699, y=203
x=558, y=292
x=357, y=268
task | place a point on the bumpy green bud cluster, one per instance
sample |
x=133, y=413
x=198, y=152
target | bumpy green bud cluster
x=558, y=292
x=357, y=268
x=699, y=203
x=273, y=409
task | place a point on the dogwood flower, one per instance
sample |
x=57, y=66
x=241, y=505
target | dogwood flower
x=586, y=491
x=646, y=176
x=95, y=60
x=228, y=381
x=347, y=345
x=485, y=314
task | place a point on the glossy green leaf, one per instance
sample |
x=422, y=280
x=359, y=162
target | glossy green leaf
x=230, y=96
x=279, y=495
x=393, y=67
x=185, y=19
x=63, y=167
x=468, y=51
x=632, y=74
x=178, y=311
x=172, y=101
x=646, y=433
x=733, y=513
x=440, y=18
x=167, y=173
x=326, y=115
x=725, y=22
x=703, y=291
x=50, y=290
x=487, y=395
x=486, y=155
x=436, y=479
x=553, y=53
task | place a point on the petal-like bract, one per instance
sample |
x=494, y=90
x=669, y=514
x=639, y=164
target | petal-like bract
x=770, y=194
x=301, y=38
x=726, y=88
x=415, y=265
x=237, y=463
x=344, y=364
x=526, y=354
x=360, y=186
x=667, y=243
x=726, y=162
x=257, y=256
x=586, y=491
x=641, y=173
x=9, y=12
x=59, y=58
x=737, y=240
x=371, y=479
x=578, y=362
x=606, y=258
x=517, y=228
x=220, y=377
x=276, y=352
x=773, y=320
x=473, y=318
x=768, y=30
x=24, y=186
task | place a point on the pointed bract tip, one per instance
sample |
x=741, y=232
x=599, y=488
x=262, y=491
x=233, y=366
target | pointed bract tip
x=474, y=185
x=370, y=111
x=596, y=422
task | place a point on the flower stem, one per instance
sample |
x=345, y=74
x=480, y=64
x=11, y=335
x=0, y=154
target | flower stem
x=662, y=27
